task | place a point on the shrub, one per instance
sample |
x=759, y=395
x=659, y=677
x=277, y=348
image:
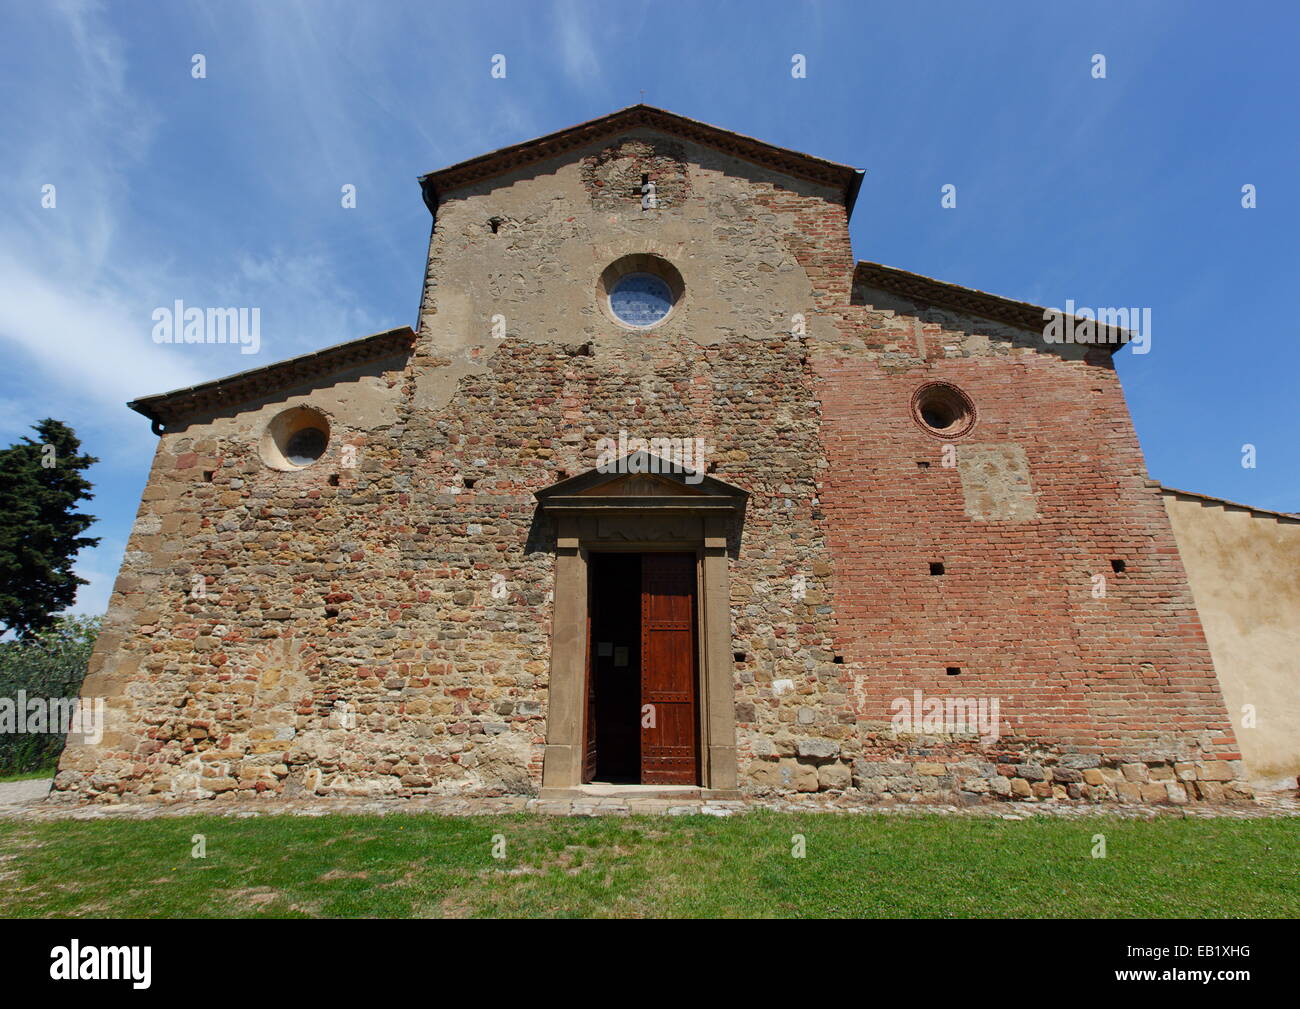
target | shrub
x=48, y=664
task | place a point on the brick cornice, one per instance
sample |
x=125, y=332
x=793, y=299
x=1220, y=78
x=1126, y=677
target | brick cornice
x=169, y=407
x=842, y=178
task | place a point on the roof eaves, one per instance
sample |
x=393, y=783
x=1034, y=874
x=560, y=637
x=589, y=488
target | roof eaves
x=795, y=163
x=1211, y=499
x=941, y=293
x=242, y=386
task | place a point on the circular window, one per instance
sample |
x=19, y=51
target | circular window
x=306, y=446
x=295, y=438
x=640, y=299
x=943, y=410
x=640, y=291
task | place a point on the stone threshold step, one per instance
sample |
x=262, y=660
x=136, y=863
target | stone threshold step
x=600, y=790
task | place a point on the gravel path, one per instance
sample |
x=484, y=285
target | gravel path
x=26, y=800
x=18, y=795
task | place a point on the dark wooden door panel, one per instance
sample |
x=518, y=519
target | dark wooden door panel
x=669, y=751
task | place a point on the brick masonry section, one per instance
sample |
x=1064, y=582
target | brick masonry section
x=1103, y=682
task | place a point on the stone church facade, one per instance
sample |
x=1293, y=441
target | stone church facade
x=665, y=489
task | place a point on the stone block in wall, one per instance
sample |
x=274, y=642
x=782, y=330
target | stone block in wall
x=834, y=776
x=798, y=776
x=1215, y=770
x=818, y=749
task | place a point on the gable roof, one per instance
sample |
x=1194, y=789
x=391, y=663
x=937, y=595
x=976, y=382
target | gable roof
x=843, y=178
x=248, y=385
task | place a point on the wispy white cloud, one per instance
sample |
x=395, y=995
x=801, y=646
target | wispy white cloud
x=70, y=301
x=578, y=48
x=82, y=341
x=79, y=281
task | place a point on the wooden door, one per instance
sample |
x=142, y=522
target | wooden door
x=669, y=731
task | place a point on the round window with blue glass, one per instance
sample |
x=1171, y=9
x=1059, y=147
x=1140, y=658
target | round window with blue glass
x=640, y=300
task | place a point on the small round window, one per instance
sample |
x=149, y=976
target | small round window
x=943, y=410
x=640, y=299
x=305, y=446
x=295, y=438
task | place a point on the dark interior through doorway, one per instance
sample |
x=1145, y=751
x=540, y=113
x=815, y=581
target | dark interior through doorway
x=614, y=691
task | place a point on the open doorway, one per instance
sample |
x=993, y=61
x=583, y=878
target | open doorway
x=614, y=693
x=642, y=681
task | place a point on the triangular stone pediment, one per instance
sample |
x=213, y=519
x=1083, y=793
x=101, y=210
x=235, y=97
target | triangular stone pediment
x=641, y=479
x=639, y=485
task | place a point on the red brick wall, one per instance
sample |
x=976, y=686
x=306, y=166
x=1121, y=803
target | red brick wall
x=1127, y=677
x=1123, y=683
x=1014, y=609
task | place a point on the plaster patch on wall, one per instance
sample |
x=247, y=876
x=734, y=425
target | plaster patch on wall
x=995, y=483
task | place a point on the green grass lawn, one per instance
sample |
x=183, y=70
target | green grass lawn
x=869, y=866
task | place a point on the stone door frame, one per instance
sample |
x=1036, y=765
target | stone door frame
x=698, y=521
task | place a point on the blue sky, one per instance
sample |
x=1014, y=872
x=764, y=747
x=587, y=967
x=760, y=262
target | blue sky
x=226, y=190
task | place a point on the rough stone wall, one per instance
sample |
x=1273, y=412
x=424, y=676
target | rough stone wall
x=385, y=629
x=218, y=637
x=617, y=173
x=1242, y=566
